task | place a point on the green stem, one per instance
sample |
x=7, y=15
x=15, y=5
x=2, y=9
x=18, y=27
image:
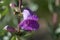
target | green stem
x=18, y=38
x=20, y=5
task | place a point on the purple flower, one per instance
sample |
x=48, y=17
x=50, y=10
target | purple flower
x=30, y=21
x=10, y=29
x=29, y=25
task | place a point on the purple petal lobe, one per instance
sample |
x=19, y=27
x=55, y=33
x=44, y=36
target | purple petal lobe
x=33, y=17
x=29, y=24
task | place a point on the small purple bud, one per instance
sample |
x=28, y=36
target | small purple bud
x=12, y=5
x=10, y=29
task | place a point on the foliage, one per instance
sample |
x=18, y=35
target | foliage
x=8, y=18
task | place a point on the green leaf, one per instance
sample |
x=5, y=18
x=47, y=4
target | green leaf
x=2, y=32
x=15, y=21
x=5, y=21
x=6, y=2
x=50, y=8
x=5, y=11
x=13, y=38
x=28, y=34
x=50, y=5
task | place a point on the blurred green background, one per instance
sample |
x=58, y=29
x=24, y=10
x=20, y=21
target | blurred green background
x=7, y=18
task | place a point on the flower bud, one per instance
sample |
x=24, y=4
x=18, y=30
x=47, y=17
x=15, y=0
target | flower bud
x=10, y=29
x=12, y=5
